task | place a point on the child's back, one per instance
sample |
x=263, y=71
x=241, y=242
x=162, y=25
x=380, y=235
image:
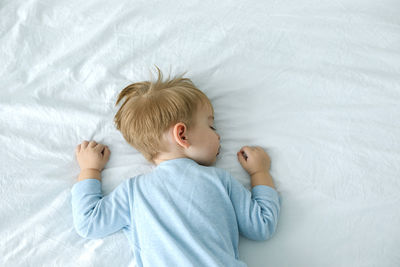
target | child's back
x=182, y=214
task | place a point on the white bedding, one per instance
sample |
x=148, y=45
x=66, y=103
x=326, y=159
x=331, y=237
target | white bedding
x=316, y=83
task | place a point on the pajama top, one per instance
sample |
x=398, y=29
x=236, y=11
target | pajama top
x=179, y=214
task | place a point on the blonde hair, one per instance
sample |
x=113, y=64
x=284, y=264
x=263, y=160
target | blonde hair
x=151, y=108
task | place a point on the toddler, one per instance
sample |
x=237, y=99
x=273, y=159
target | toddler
x=185, y=212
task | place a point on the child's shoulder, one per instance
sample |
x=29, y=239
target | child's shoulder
x=221, y=173
x=212, y=169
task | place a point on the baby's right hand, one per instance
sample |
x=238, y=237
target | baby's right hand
x=257, y=159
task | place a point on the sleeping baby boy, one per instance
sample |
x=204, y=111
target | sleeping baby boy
x=185, y=212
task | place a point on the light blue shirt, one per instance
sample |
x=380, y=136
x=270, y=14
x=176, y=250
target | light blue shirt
x=179, y=214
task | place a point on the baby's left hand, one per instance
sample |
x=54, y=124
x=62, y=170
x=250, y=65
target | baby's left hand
x=91, y=155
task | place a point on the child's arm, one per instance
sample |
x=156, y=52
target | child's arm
x=96, y=216
x=257, y=211
x=89, y=174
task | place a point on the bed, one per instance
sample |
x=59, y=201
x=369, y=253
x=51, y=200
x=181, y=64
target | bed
x=315, y=83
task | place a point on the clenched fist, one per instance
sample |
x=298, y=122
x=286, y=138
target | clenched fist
x=91, y=155
x=254, y=159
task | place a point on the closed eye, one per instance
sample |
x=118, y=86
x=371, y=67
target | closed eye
x=213, y=128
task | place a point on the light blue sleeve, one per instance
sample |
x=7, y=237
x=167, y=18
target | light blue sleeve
x=257, y=212
x=96, y=216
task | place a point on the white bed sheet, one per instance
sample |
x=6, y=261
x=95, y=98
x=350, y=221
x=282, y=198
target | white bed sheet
x=316, y=83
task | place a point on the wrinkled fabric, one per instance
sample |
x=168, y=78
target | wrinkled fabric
x=315, y=83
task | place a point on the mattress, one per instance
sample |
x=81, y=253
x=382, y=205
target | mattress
x=315, y=83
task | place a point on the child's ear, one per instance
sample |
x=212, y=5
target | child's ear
x=180, y=134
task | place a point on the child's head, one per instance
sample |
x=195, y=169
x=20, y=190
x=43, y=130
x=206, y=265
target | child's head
x=168, y=119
